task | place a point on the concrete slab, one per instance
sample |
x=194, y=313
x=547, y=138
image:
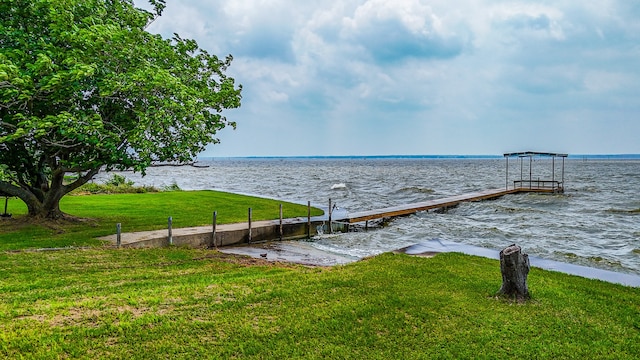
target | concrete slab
x=298, y=252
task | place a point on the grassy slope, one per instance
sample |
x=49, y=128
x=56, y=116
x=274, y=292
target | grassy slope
x=180, y=303
x=138, y=212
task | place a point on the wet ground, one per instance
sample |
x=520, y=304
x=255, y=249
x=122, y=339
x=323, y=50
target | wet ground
x=302, y=252
x=289, y=251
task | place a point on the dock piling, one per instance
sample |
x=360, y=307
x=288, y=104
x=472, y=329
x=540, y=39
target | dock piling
x=280, y=230
x=118, y=235
x=308, y=219
x=249, y=239
x=330, y=211
x=213, y=230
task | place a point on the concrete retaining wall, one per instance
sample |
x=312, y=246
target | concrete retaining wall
x=232, y=235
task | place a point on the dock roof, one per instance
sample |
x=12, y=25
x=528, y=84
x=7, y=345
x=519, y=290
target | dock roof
x=534, y=153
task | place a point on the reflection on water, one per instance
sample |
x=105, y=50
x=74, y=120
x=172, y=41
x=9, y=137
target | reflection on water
x=595, y=223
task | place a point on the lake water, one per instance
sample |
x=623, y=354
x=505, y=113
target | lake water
x=595, y=223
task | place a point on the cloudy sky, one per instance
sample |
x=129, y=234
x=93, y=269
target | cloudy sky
x=396, y=77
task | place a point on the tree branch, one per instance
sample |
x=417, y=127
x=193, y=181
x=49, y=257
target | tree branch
x=82, y=180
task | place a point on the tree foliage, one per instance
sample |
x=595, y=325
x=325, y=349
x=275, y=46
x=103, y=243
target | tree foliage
x=84, y=87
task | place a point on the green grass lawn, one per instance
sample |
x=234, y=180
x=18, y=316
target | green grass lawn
x=178, y=303
x=193, y=304
x=137, y=212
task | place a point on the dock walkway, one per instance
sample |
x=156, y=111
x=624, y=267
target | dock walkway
x=452, y=201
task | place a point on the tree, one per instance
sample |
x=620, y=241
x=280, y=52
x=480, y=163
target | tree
x=84, y=87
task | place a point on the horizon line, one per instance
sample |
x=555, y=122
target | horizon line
x=423, y=156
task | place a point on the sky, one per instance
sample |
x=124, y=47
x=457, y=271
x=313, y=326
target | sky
x=422, y=77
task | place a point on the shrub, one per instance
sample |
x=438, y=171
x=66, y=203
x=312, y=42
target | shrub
x=173, y=187
x=119, y=180
x=117, y=184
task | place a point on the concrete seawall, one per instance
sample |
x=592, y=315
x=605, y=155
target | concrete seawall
x=226, y=234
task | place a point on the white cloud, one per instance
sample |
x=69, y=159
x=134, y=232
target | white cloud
x=376, y=76
x=528, y=20
x=393, y=30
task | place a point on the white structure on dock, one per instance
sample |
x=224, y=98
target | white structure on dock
x=536, y=184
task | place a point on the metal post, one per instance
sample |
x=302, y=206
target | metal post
x=281, y=222
x=6, y=204
x=249, y=225
x=553, y=173
x=170, y=230
x=506, y=180
x=521, y=170
x=308, y=219
x=213, y=231
x=530, y=171
x=330, y=211
x=563, y=174
x=118, y=234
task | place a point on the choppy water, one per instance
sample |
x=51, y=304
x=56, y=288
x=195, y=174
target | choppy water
x=595, y=223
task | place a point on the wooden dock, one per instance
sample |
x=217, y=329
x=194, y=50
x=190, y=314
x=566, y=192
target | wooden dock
x=407, y=209
x=296, y=228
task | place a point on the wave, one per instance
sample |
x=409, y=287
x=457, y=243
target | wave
x=416, y=189
x=624, y=211
x=588, y=189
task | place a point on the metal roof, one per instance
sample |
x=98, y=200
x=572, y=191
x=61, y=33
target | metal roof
x=534, y=153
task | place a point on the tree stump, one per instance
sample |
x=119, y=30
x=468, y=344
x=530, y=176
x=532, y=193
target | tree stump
x=514, y=266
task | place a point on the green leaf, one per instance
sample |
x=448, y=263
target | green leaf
x=87, y=86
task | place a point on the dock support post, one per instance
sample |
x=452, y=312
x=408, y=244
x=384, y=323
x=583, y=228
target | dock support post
x=521, y=170
x=553, y=174
x=249, y=226
x=530, y=171
x=280, y=223
x=563, y=174
x=308, y=219
x=170, y=226
x=118, y=235
x=506, y=181
x=330, y=211
x=213, y=230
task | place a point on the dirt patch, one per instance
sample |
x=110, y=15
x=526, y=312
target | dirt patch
x=91, y=317
x=59, y=225
x=243, y=260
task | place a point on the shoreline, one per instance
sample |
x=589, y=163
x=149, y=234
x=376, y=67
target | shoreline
x=300, y=253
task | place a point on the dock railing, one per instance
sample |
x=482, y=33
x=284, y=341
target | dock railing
x=544, y=185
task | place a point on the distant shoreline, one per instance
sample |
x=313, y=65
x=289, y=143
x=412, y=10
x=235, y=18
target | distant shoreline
x=351, y=157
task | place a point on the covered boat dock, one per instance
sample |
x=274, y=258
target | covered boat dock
x=550, y=184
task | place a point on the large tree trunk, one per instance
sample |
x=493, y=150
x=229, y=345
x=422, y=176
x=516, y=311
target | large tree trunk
x=48, y=208
x=44, y=201
x=514, y=266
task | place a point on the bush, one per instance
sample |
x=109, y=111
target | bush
x=117, y=184
x=119, y=180
x=173, y=187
